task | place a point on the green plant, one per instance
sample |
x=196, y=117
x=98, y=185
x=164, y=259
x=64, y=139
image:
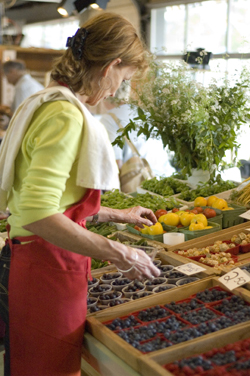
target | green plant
x=197, y=123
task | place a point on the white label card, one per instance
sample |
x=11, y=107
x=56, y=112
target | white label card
x=235, y=278
x=245, y=215
x=189, y=268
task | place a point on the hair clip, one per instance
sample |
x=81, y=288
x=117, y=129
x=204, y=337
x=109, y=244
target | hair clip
x=76, y=42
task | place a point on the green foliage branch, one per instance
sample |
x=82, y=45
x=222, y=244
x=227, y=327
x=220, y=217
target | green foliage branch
x=199, y=124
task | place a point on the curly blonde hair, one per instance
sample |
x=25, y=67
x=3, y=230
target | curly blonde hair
x=109, y=36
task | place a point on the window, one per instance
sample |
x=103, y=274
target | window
x=51, y=34
x=218, y=26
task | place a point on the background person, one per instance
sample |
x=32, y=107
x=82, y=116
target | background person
x=25, y=85
x=152, y=150
x=55, y=159
x=5, y=116
x=123, y=112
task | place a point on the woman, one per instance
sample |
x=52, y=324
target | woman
x=54, y=160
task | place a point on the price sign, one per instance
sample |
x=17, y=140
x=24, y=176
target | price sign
x=189, y=269
x=235, y=278
x=245, y=215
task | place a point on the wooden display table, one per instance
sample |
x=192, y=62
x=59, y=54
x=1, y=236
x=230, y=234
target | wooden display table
x=98, y=360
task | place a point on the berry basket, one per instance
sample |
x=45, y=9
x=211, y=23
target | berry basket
x=231, y=217
x=196, y=234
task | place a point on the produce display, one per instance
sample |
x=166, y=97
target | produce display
x=105, y=287
x=161, y=326
x=118, y=200
x=103, y=229
x=216, y=255
x=165, y=186
x=3, y=223
x=208, y=189
x=230, y=360
x=242, y=195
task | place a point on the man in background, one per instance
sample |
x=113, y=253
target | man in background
x=25, y=85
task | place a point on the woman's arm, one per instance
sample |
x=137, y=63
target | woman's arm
x=62, y=232
x=136, y=215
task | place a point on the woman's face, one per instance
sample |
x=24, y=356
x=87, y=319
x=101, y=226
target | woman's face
x=114, y=76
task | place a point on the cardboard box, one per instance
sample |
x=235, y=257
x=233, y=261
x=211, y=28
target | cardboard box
x=132, y=356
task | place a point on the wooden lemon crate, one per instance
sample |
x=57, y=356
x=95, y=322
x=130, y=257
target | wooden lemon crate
x=132, y=356
x=152, y=364
x=175, y=259
x=214, y=236
x=226, y=195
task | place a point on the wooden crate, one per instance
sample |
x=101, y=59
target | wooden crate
x=152, y=364
x=129, y=354
x=97, y=273
x=128, y=236
x=226, y=195
x=217, y=235
x=123, y=236
x=175, y=259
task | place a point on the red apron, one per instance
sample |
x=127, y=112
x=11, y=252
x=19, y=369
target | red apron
x=48, y=302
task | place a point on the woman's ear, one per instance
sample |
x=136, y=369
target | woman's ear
x=111, y=65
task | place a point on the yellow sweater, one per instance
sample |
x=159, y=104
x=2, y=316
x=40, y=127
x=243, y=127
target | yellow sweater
x=46, y=166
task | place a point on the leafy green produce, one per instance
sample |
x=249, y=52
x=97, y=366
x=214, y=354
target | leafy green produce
x=3, y=223
x=118, y=200
x=208, y=189
x=165, y=186
x=97, y=264
x=141, y=242
x=103, y=229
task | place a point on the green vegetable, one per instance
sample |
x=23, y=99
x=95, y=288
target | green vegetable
x=3, y=223
x=208, y=189
x=118, y=200
x=165, y=186
x=103, y=229
x=97, y=264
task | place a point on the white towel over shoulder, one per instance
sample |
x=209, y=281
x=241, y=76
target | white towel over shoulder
x=97, y=168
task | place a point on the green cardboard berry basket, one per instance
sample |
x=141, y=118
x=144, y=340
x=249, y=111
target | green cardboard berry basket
x=196, y=234
x=219, y=215
x=158, y=238
x=231, y=217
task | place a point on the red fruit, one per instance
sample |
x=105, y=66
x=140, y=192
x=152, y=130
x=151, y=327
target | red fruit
x=160, y=212
x=199, y=209
x=209, y=213
x=137, y=228
x=174, y=210
x=194, y=211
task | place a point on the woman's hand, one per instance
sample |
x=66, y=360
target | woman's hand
x=62, y=232
x=138, y=265
x=137, y=215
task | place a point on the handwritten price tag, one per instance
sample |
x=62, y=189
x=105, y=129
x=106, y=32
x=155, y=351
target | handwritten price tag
x=189, y=268
x=245, y=215
x=235, y=278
